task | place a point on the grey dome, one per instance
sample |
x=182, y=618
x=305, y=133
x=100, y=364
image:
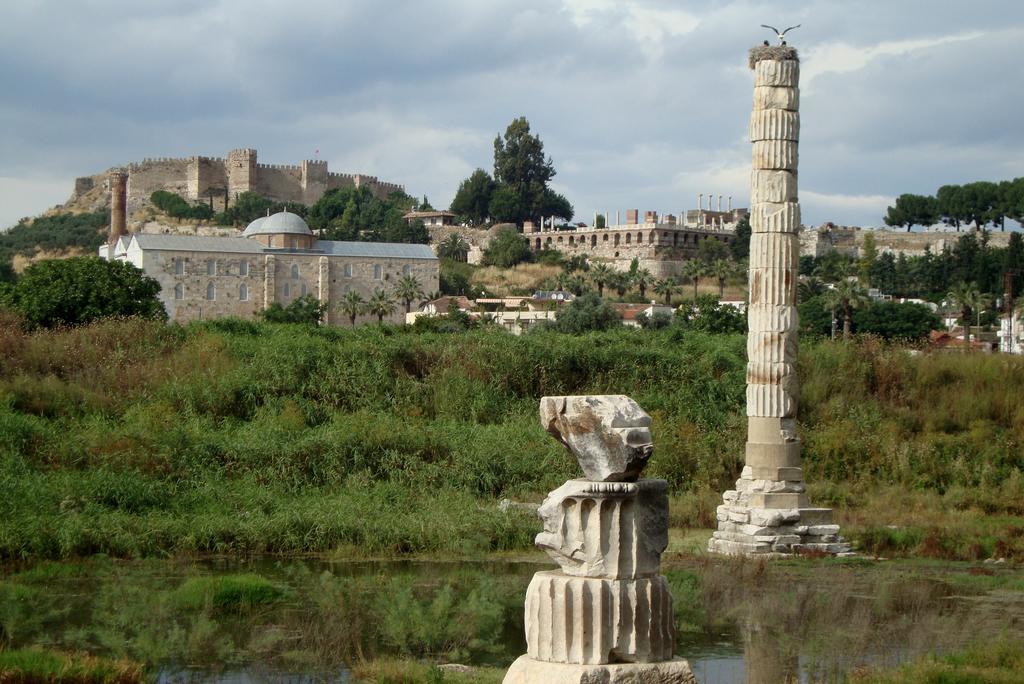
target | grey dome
x=276, y=224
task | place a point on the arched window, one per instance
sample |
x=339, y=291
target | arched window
x=179, y=266
x=378, y=271
x=639, y=238
x=572, y=241
x=243, y=292
x=616, y=239
x=243, y=268
x=604, y=238
x=559, y=239
x=593, y=241
x=538, y=243
x=287, y=290
x=348, y=270
x=211, y=267
x=211, y=292
x=295, y=271
x=629, y=238
x=302, y=292
x=179, y=291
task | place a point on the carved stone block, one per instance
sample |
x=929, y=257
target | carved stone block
x=776, y=154
x=526, y=670
x=771, y=250
x=770, y=72
x=772, y=186
x=775, y=217
x=609, y=530
x=609, y=435
x=772, y=400
x=771, y=347
x=592, y=621
x=773, y=286
x=771, y=97
x=773, y=317
x=774, y=124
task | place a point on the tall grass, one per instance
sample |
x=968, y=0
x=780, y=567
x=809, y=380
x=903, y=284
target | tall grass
x=133, y=438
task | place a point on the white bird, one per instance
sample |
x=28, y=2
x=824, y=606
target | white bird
x=782, y=36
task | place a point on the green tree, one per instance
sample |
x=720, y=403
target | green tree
x=473, y=198
x=408, y=290
x=506, y=205
x=721, y=270
x=453, y=247
x=808, y=287
x=711, y=249
x=620, y=282
x=912, y=210
x=642, y=278
x=307, y=310
x=967, y=298
x=740, y=245
x=846, y=296
x=587, y=313
x=352, y=305
x=896, y=321
x=506, y=249
x=380, y=305
x=665, y=288
x=520, y=166
x=866, y=260
x=601, y=275
x=82, y=289
x=706, y=314
x=694, y=269
x=951, y=205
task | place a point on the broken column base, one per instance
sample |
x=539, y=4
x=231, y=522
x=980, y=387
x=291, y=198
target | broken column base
x=526, y=670
x=743, y=530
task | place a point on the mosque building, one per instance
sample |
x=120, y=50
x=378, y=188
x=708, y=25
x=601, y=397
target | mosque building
x=276, y=259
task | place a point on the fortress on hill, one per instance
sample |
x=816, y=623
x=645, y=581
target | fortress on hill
x=221, y=180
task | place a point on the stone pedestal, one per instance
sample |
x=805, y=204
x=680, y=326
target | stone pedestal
x=606, y=615
x=768, y=511
x=526, y=670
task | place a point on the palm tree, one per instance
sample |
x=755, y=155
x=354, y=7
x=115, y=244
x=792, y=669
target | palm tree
x=576, y=284
x=721, y=269
x=601, y=274
x=666, y=287
x=968, y=298
x=642, y=278
x=620, y=282
x=380, y=305
x=453, y=247
x=352, y=305
x=809, y=287
x=408, y=289
x=848, y=295
x=694, y=269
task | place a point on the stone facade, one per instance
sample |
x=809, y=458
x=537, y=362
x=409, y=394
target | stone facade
x=216, y=178
x=768, y=512
x=246, y=277
x=662, y=248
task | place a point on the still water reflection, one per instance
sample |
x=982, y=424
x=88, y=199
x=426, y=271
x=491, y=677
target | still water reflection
x=301, y=620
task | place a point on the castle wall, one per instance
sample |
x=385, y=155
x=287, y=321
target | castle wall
x=150, y=175
x=280, y=182
x=207, y=176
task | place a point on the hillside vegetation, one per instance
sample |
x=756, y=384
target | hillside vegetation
x=135, y=438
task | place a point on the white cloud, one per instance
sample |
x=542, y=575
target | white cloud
x=839, y=58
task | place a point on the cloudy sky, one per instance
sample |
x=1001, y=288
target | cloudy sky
x=640, y=104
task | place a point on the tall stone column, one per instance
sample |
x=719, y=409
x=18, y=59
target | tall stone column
x=118, y=205
x=606, y=615
x=768, y=511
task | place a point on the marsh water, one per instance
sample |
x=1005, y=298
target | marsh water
x=304, y=619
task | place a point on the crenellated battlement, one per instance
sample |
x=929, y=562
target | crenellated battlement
x=200, y=177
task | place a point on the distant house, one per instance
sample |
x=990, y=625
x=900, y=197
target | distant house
x=431, y=218
x=629, y=312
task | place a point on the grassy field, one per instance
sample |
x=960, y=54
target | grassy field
x=135, y=439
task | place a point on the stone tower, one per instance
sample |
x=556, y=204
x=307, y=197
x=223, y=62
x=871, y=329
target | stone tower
x=241, y=172
x=118, y=181
x=768, y=512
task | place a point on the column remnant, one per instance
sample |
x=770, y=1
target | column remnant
x=768, y=512
x=606, y=615
x=118, y=180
